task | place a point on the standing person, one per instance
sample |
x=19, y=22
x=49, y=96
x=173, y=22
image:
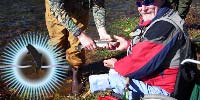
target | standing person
x=153, y=55
x=66, y=22
x=182, y=6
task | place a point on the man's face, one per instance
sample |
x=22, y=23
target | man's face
x=148, y=8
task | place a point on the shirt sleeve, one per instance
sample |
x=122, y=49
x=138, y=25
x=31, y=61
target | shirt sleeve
x=99, y=13
x=57, y=9
x=142, y=53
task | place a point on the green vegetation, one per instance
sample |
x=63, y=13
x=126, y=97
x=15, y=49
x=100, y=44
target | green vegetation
x=122, y=26
x=196, y=36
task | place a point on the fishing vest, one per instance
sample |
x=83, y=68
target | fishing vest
x=172, y=17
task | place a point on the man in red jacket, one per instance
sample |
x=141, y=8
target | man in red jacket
x=153, y=55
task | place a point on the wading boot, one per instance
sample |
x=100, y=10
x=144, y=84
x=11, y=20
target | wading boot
x=76, y=82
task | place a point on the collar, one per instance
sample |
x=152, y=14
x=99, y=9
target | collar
x=143, y=23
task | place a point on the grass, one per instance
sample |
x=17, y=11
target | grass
x=122, y=26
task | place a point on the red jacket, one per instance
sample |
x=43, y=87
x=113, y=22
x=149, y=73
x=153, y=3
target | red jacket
x=154, y=60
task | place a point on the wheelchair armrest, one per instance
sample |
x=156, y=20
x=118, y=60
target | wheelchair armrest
x=156, y=97
x=190, y=61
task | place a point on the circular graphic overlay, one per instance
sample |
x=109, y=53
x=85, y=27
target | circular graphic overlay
x=32, y=68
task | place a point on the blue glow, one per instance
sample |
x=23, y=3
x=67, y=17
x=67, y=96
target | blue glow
x=17, y=82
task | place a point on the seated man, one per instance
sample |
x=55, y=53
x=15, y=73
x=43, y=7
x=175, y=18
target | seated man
x=153, y=57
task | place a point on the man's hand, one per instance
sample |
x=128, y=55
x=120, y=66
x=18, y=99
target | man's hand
x=121, y=44
x=110, y=62
x=86, y=41
x=104, y=35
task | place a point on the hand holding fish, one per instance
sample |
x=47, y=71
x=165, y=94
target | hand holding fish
x=103, y=34
x=101, y=44
x=122, y=43
x=86, y=41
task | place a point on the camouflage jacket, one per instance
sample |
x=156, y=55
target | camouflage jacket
x=182, y=6
x=61, y=9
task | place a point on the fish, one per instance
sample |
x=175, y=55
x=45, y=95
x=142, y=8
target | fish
x=99, y=44
x=36, y=56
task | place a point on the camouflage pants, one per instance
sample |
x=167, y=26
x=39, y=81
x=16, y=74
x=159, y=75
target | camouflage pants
x=60, y=36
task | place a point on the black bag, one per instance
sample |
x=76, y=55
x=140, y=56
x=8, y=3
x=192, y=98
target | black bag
x=188, y=72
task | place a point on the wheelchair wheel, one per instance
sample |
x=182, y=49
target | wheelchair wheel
x=156, y=97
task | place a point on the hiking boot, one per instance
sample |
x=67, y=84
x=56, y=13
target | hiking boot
x=76, y=82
